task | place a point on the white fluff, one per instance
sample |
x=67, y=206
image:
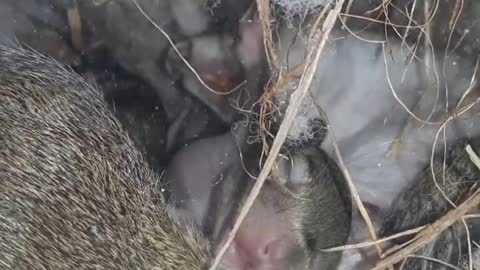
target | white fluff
x=299, y=7
x=301, y=130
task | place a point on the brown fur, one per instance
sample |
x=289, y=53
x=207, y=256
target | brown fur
x=74, y=191
x=422, y=203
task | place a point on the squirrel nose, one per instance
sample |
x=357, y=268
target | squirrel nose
x=273, y=251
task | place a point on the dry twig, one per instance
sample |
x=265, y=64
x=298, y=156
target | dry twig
x=263, y=7
x=356, y=195
x=433, y=260
x=372, y=243
x=75, y=24
x=430, y=233
x=319, y=39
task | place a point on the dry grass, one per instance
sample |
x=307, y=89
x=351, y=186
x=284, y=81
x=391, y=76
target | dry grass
x=427, y=235
x=318, y=37
x=424, y=235
x=75, y=24
x=320, y=32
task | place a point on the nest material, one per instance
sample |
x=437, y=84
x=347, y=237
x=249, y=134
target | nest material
x=299, y=7
x=292, y=8
x=295, y=110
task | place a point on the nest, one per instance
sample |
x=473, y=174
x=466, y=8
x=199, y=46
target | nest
x=326, y=16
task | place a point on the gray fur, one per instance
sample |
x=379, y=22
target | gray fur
x=74, y=192
x=422, y=203
x=325, y=216
x=306, y=201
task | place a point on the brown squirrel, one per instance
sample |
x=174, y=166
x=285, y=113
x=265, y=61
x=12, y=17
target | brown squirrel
x=77, y=194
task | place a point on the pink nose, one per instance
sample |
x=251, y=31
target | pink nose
x=269, y=255
x=273, y=251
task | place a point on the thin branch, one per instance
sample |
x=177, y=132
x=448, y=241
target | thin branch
x=430, y=233
x=372, y=243
x=319, y=40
